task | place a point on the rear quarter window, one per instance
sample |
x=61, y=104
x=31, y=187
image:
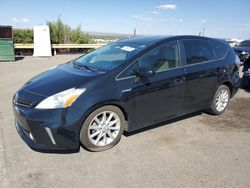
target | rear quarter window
x=129, y=71
x=220, y=48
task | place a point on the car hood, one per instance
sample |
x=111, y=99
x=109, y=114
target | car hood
x=58, y=79
x=241, y=49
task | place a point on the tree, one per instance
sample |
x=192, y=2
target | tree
x=24, y=36
x=78, y=37
x=61, y=33
x=58, y=31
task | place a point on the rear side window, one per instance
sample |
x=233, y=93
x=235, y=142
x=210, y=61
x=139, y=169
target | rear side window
x=198, y=51
x=220, y=48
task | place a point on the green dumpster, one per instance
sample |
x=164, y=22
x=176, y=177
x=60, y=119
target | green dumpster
x=6, y=44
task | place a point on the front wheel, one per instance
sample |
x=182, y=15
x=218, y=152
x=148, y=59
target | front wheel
x=220, y=101
x=102, y=129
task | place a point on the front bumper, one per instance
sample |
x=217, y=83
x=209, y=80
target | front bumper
x=55, y=130
x=41, y=147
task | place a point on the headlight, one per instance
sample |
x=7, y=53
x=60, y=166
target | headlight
x=61, y=100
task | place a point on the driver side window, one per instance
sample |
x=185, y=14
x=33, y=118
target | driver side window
x=161, y=58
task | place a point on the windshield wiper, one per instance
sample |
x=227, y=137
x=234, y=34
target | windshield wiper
x=89, y=68
x=85, y=66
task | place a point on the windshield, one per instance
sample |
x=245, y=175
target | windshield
x=109, y=56
x=245, y=43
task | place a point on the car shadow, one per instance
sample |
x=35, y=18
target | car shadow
x=18, y=58
x=164, y=123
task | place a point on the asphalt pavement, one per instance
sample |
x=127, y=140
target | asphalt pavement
x=197, y=150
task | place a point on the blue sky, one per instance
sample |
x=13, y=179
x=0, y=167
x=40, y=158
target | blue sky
x=220, y=18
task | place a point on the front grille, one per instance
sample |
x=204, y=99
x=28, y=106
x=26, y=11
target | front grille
x=21, y=102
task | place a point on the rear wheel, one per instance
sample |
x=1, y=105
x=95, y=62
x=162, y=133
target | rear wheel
x=102, y=129
x=220, y=101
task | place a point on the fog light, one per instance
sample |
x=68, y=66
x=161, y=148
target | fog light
x=31, y=136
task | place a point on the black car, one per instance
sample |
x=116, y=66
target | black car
x=125, y=85
x=245, y=82
x=243, y=50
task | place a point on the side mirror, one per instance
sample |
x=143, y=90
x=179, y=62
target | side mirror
x=144, y=72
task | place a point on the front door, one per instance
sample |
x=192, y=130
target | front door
x=159, y=97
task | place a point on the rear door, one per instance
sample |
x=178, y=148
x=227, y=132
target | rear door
x=201, y=74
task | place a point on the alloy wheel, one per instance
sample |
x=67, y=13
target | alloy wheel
x=104, y=128
x=222, y=100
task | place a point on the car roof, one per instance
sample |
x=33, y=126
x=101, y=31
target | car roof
x=144, y=39
x=149, y=40
x=245, y=41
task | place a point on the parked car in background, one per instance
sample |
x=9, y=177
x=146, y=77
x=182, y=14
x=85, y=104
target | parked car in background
x=243, y=50
x=125, y=85
x=246, y=73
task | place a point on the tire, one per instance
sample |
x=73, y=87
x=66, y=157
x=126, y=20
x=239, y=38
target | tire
x=215, y=109
x=99, y=133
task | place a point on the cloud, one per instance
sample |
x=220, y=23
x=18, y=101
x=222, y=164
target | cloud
x=180, y=20
x=155, y=12
x=167, y=7
x=143, y=18
x=21, y=20
x=203, y=21
x=24, y=20
x=246, y=25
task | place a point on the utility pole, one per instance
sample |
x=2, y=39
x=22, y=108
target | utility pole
x=203, y=31
x=134, y=32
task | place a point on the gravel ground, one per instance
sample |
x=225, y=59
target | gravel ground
x=197, y=150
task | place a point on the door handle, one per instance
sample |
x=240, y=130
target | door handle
x=220, y=70
x=179, y=80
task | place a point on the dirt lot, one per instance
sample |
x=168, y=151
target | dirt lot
x=197, y=150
